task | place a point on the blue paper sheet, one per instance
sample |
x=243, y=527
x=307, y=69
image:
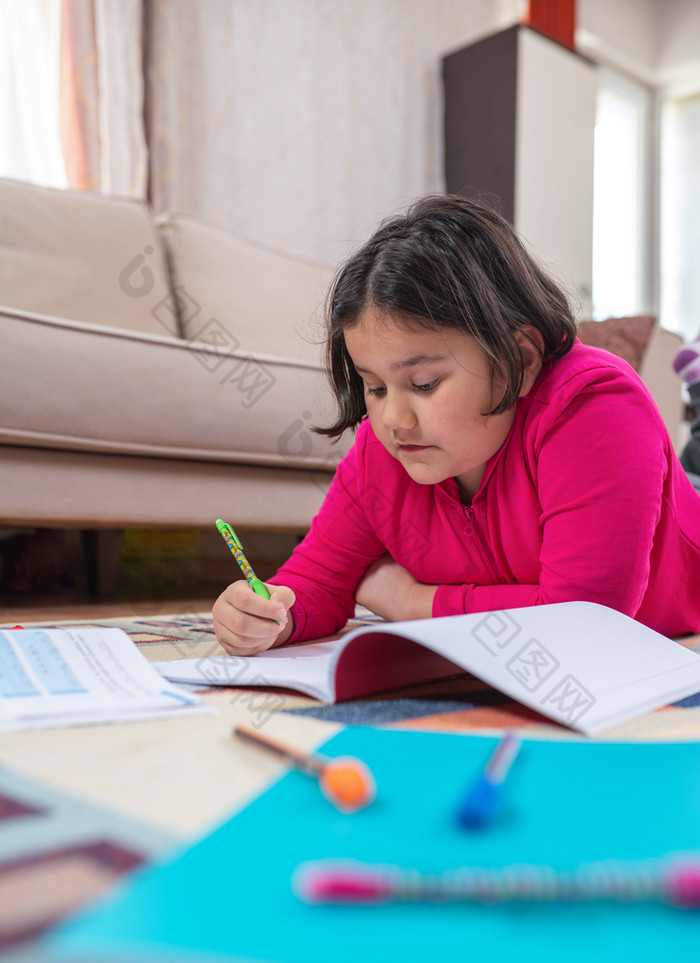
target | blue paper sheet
x=229, y=896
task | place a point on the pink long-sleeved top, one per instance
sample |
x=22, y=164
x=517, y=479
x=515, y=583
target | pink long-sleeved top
x=585, y=500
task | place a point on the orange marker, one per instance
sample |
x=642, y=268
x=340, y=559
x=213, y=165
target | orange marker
x=345, y=781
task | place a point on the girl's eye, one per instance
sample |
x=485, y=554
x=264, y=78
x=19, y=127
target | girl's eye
x=425, y=388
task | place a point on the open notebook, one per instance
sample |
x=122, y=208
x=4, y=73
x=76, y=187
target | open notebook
x=584, y=665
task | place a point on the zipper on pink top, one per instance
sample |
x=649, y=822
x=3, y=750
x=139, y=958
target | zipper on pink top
x=472, y=528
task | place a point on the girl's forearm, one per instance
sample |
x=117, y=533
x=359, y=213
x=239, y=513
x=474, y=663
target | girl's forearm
x=391, y=592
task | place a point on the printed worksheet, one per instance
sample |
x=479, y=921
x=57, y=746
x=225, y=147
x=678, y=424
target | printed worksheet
x=62, y=677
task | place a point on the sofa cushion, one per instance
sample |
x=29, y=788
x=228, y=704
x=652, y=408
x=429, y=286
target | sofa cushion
x=240, y=294
x=82, y=256
x=90, y=388
x=626, y=337
x=650, y=350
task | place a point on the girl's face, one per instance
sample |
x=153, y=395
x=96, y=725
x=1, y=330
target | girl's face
x=426, y=392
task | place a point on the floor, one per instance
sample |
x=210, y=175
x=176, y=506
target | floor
x=58, y=611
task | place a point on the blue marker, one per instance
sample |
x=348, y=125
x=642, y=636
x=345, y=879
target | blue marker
x=482, y=802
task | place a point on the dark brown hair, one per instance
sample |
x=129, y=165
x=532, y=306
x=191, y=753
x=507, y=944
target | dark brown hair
x=447, y=262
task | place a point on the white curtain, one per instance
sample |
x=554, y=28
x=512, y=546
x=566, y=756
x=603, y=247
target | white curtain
x=680, y=215
x=123, y=153
x=71, y=94
x=30, y=146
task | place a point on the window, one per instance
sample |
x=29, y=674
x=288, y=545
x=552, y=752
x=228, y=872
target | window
x=680, y=214
x=621, y=275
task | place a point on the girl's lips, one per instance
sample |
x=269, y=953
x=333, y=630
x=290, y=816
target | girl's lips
x=413, y=448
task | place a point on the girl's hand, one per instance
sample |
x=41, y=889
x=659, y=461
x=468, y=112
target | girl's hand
x=245, y=622
x=391, y=592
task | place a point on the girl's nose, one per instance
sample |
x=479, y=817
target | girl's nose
x=397, y=413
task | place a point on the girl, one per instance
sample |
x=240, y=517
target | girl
x=497, y=463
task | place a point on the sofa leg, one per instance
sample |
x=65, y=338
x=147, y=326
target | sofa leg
x=101, y=551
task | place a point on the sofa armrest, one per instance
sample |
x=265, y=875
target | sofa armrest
x=658, y=375
x=650, y=350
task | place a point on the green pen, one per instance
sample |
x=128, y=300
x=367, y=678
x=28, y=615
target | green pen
x=236, y=549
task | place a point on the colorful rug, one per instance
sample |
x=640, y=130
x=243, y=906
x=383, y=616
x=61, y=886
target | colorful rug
x=57, y=852
x=460, y=703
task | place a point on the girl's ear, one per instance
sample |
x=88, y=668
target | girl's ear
x=531, y=344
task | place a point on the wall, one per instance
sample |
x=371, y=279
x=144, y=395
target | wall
x=300, y=123
x=626, y=27
x=656, y=40
x=677, y=36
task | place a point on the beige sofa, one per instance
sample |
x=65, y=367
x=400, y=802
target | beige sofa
x=164, y=372
x=155, y=371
